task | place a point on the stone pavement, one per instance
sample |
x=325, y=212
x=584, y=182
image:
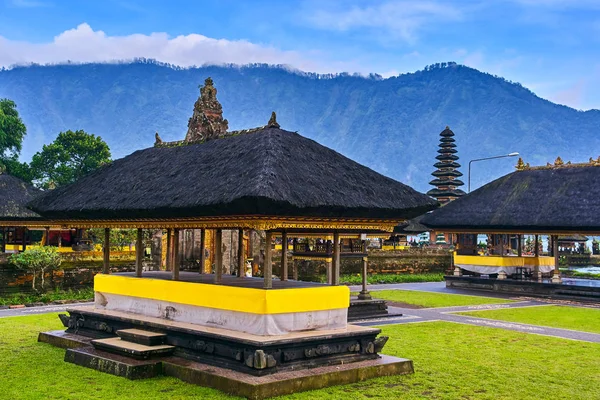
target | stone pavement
x=411, y=315
x=20, y=312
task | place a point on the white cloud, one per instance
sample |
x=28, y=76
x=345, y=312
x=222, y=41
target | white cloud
x=83, y=44
x=401, y=19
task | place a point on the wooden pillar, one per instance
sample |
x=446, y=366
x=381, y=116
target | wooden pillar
x=218, y=256
x=59, y=238
x=176, y=255
x=536, y=251
x=25, y=231
x=268, y=267
x=168, y=260
x=47, y=239
x=556, y=276
x=3, y=240
x=284, y=259
x=329, y=271
x=106, y=264
x=202, y=249
x=364, y=293
x=520, y=245
x=335, y=275
x=241, y=259
x=139, y=253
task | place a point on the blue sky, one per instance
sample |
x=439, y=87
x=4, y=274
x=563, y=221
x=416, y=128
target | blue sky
x=550, y=46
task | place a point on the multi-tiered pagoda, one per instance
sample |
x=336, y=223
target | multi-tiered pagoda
x=446, y=176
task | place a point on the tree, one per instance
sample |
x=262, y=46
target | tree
x=71, y=156
x=37, y=260
x=12, y=132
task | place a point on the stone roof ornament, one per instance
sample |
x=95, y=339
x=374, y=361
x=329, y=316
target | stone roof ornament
x=207, y=119
x=521, y=166
x=559, y=162
x=157, y=138
x=273, y=121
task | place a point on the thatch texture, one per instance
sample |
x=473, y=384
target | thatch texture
x=14, y=196
x=268, y=172
x=413, y=226
x=536, y=200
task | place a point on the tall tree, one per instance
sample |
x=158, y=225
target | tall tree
x=12, y=132
x=71, y=156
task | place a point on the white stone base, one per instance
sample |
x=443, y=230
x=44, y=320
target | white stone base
x=257, y=324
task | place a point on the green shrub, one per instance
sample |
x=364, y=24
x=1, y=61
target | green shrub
x=39, y=261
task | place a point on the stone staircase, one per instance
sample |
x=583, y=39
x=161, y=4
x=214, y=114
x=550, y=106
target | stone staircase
x=135, y=343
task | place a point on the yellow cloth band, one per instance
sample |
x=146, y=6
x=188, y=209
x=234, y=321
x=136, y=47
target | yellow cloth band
x=248, y=300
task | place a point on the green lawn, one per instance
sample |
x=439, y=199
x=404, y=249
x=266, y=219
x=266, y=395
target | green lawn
x=429, y=299
x=576, y=318
x=452, y=361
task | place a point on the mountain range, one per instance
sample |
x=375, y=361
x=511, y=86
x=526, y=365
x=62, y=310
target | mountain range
x=391, y=125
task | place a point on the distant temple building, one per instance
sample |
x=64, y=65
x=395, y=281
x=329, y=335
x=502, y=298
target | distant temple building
x=446, y=175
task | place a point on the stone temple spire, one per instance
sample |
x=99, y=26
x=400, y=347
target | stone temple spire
x=207, y=120
x=447, y=174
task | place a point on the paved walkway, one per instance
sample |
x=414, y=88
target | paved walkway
x=20, y=312
x=411, y=315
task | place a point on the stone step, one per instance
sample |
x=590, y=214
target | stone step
x=140, y=336
x=113, y=364
x=130, y=349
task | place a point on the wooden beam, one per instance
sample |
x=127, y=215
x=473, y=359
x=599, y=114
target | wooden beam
x=218, y=256
x=284, y=259
x=335, y=276
x=176, y=255
x=106, y=264
x=202, y=250
x=139, y=253
x=241, y=259
x=268, y=267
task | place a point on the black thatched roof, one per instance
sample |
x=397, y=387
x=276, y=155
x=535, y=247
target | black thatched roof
x=413, y=226
x=535, y=200
x=14, y=196
x=269, y=171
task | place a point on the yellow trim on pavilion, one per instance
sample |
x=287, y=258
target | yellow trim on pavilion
x=312, y=258
x=231, y=298
x=247, y=222
x=497, y=261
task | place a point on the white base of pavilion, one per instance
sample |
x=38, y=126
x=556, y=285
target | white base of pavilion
x=256, y=324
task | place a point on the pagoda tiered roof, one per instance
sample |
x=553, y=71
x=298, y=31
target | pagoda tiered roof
x=446, y=186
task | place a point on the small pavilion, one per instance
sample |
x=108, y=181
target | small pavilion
x=19, y=226
x=264, y=179
x=553, y=200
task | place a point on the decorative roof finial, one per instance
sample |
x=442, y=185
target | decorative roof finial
x=273, y=121
x=157, y=138
x=595, y=162
x=521, y=166
x=558, y=162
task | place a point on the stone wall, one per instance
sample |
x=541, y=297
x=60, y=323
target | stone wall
x=73, y=276
x=413, y=261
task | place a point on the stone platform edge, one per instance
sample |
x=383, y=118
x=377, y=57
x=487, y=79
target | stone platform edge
x=228, y=381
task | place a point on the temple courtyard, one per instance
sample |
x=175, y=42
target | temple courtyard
x=463, y=346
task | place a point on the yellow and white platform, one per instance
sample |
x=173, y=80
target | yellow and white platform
x=237, y=304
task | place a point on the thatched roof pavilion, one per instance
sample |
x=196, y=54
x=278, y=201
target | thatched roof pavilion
x=560, y=198
x=556, y=199
x=14, y=196
x=267, y=179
